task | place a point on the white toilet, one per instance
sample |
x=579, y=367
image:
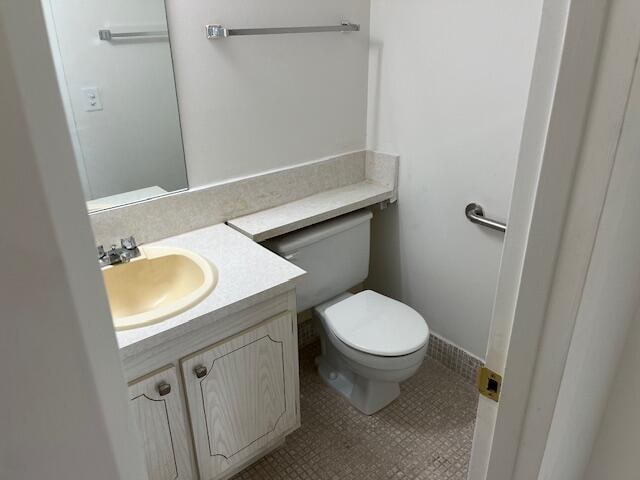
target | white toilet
x=370, y=342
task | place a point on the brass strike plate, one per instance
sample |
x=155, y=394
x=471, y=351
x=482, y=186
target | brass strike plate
x=489, y=383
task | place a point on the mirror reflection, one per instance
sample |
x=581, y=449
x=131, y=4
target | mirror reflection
x=113, y=62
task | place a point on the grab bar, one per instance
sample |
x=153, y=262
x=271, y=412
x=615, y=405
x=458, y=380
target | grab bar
x=218, y=31
x=475, y=214
x=107, y=35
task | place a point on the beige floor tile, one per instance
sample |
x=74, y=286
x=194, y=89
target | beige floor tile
x=426, y=434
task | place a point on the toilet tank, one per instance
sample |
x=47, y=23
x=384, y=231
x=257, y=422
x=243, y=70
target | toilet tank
x=335, y=255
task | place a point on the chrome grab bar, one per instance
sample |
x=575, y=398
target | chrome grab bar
x=107, y=35
x=218, y=31
x=475, y=214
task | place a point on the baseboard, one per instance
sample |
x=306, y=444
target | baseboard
x=453, y=357
x=306, y=332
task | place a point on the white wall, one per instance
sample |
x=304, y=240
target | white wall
x=251, y=104
x=615, y=453
x=134, y=141
x=247, y=105
x=448, y=84
x=65, y=413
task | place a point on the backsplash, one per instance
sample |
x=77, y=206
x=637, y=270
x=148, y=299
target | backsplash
x=197, y=208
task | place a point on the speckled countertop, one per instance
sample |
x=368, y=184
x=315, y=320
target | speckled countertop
x=247, y=274
x=313, y=209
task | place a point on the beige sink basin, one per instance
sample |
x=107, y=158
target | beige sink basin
x=161, y=283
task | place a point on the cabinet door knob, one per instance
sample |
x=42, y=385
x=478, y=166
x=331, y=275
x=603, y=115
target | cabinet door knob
x=200, y=371
x=164, y=389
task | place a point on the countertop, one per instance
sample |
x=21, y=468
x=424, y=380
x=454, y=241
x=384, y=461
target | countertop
x=313, y=209
x=247, y=274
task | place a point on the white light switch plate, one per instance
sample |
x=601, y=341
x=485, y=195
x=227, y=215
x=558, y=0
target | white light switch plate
x=92, y=101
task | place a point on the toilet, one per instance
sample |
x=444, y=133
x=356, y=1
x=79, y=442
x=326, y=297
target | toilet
x=370, y=342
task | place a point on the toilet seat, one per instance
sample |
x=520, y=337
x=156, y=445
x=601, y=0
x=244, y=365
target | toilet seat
x=356, y=357
x=374, y=324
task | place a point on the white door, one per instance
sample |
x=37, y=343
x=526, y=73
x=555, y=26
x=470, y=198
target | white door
x=242, y=395
x=158, y=411
x=575, y=176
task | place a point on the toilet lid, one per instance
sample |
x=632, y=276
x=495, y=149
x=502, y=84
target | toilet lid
x=376, y=324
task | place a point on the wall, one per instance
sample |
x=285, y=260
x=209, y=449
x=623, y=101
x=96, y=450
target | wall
x=615, y=453
x=134, y=141
x=252, y=104
x=64, y=409
x=448, y=84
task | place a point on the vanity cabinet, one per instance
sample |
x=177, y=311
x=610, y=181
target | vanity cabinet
x=241, y=395
x=221, y=396
x=158, y=412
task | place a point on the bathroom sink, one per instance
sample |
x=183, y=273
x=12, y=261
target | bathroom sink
x=160, y=283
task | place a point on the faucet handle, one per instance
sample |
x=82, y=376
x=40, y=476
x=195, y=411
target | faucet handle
x=128, y=243
x=101, y=252
x=124, y=256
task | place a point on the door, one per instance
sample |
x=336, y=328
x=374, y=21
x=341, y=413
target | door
x=242, y=395
x=158, y=412
x=554, y=297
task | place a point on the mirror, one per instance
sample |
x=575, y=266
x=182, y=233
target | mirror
x=113, y=61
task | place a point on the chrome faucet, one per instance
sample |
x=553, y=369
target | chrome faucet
x=128, y=249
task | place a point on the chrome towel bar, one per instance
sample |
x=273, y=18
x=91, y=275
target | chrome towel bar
x=218, y=31
x=475, y=214
x=107, y=35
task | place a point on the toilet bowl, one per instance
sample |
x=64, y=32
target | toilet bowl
x=370, y=343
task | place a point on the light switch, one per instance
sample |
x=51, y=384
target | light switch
x=92, y=100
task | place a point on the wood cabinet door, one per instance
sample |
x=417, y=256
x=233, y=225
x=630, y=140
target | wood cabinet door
x=242, y=394
x=158, y=412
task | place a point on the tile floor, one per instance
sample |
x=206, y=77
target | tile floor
x=426, y=434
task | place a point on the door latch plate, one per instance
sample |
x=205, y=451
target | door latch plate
x=489, y=383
